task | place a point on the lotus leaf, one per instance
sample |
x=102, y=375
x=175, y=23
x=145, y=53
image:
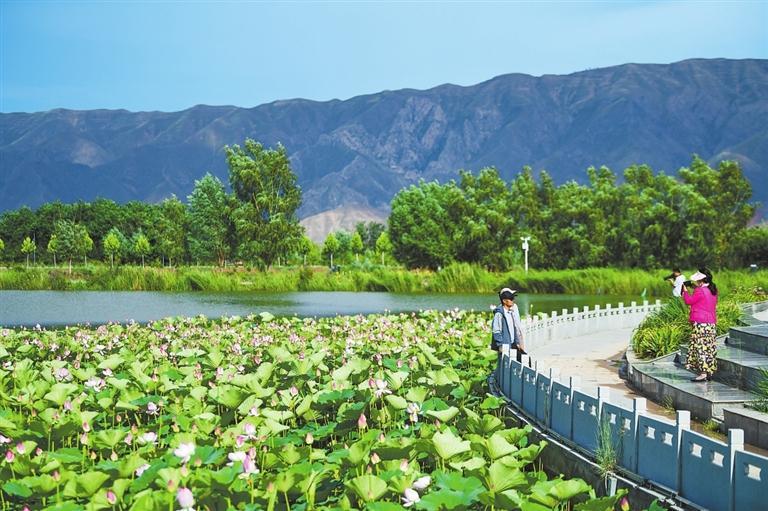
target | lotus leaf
x=443, y=415
x=60, y=392
x=448, y=445
x=368, y=487
x=396, y=402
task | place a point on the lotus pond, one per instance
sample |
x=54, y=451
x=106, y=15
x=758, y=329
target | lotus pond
x=379, y=412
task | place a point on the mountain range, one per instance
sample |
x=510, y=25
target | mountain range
x=352, y=156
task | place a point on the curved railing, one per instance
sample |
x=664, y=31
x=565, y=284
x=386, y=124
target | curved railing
x=708, y=473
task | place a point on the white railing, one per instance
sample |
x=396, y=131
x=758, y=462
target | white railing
x=542, y=328
x=711, y=474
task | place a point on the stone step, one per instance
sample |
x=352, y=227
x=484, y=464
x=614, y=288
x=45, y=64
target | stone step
x=741, y=368
x=749, y=338
x=668, y=384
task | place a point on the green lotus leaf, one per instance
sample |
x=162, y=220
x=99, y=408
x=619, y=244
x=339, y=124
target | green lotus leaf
x=492, y=403
x=304, y=406
x=17, y=488
x=60, y=392
x=395, y=379
x=471, y=464
x=443, y=415
x=120, y=384
x=609, y=504
x=396, y=402
x=71, y=506
x=109, y=437
x=447, y=445
x=455, y=492
x=498, y=446
x=503, y=477
x=429, y=354
x=368, y=487
x=277, y=415
x=8, y=423
x=489, y=424
x=89, y=482
x=111, y=362
x=227, y=395
x=190, y=353
x=417, y=394
x=342, y=373
x=566, y=490
x=67, y=455
x=266, y=317
x=384, y=506
x=226, y=475
x=273, y=427
x=285, y=480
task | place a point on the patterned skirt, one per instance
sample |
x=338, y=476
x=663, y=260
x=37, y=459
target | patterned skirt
x=702, y=351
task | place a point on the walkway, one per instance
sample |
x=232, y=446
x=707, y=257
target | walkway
x=595, y=358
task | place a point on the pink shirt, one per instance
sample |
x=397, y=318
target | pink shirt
x=703, y=305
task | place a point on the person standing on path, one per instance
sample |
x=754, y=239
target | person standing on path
x=507, y=328
x=702, y=351
x=677, y=279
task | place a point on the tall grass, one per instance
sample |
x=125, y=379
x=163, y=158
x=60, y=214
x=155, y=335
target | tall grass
x=455, y=278
x=664, y=331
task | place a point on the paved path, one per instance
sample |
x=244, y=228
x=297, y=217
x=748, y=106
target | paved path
x=595, y=358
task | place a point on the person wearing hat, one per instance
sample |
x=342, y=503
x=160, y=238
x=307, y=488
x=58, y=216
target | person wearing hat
x=506, y=327
x=702, y=350
x=676, y=278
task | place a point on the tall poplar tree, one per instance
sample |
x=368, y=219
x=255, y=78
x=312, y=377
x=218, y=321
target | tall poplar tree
x=265, y=220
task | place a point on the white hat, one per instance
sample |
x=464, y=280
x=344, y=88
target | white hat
x=698, y=276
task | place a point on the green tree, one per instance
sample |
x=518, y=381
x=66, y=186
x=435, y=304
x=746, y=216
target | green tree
x=172, y=227
x=331, y=246
x=423, y=224
x=83, y=243
x=383, y=246
x=66, y=240
x=141, y=246
x=209, y=221
x=2, y=248
x=266, y=187
x=356, y=245
x=112, y=244
x=27, y=247
x=53, y=247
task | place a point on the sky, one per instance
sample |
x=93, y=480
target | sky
x=169, y=56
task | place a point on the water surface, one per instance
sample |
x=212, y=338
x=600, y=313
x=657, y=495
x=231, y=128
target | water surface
x=56, y=308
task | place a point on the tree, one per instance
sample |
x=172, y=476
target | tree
x=172, y=229
x=383, y=246
x=331, y=246
x=141, y=246
x=209, y=221
x=83, y=242
x=53, y=247
x=266, y=187
x=2, y=248
x=27, y=247
x=356, y=245
x=111, y=244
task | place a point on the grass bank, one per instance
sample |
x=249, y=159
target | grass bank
x=456, y=278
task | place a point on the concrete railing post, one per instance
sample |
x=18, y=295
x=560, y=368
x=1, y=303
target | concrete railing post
x=735, y=443
x=683, y=423
x=639, y=407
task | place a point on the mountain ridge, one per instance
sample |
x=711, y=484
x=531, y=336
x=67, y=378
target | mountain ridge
x=358, y=152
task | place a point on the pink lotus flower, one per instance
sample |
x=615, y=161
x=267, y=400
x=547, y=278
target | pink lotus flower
x=184, y=451
x=150, y=437
x=362, y=422
x=381, y=388
x=185, y=499
x=151, y=408
x=4, y=440
x=249, y=430
x=422, y=483
x=20, y=448
x=141, y=469
x=249, y=467
x=294, y=391
x=9, y=456
x=410, y=497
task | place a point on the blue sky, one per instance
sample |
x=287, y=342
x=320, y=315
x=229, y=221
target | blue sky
x=169, y=56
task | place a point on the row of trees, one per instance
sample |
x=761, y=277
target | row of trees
x=648, y=220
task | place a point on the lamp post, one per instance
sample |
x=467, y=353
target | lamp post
x=525, y=248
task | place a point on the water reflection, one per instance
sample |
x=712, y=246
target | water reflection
x=55, y=308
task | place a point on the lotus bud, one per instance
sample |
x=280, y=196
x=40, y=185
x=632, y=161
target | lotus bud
x=38, y=451
x=119, y=418
x=404, y=465
x=93, y=455
x=171, y=486
x=382, y=438
x=309, y=439
x=128, y=439
x=375, y=458
x=294, y=391
x=184, y=471
x=111, y=497
x=362, y=422
x=422, y=483
x=175, y=428
x=86, y=427
x=624, y=504
x=198, y=462
x=84, y=438
x=113, y=456
x=9, y=456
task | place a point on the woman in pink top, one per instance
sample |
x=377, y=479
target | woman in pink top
x=702, y=351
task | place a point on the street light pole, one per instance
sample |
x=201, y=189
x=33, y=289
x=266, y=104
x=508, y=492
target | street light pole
x=525, y=248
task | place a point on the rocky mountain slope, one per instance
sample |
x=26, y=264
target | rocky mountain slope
x=358, y=153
